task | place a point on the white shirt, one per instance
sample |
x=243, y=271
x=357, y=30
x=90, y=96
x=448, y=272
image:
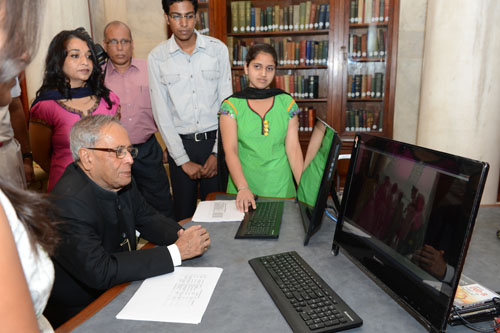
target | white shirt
x=187, y=90
x=37, y=267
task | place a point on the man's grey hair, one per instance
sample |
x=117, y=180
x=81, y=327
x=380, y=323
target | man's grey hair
x=87, y=131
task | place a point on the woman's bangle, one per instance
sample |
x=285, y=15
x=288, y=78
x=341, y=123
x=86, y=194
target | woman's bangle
x=242, y=188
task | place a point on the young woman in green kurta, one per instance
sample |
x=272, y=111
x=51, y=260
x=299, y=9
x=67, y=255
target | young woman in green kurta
x=259, y=130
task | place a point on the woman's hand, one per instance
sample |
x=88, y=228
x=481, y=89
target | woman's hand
x=244, y=200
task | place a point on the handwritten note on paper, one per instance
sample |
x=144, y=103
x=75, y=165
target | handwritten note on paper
x=217, y=211
x=178, y=297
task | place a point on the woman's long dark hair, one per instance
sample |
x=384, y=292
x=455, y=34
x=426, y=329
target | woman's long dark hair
x=34, y=211
x=54, y=77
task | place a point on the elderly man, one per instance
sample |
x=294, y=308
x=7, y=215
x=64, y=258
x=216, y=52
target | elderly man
x=127, y=77
x=100, y=208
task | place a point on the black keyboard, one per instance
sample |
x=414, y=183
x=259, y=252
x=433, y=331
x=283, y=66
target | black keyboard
x=304, y=299
x=263, y=222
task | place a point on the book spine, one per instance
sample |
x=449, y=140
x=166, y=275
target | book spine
x=302, y=15
x=363, y=86
x=349, y=85
x=357, y=89
x=234, y=17
x=376, y=10
x=368, y=11
x=363, y=45
x=307, y=18
x=296, y=17
x=386, y=10
x=312, y=15
x=352, y=12
x=297, y=53
x=248, y=6
x=302, y=53
x=369, y=85
x=276, y=18
x=282, y=19
x=308, y=52
x=317, y=16
x=381, y=11
x=252, y=19
x=361, y=9
x=322, y=14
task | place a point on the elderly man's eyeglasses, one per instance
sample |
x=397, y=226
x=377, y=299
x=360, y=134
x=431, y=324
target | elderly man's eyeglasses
x=178, y=17
x=122, y=42
x=120, y=151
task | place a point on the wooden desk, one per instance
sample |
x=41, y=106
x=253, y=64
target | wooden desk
x=239, y=299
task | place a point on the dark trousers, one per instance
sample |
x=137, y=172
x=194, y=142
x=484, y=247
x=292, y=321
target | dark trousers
x=151, y=176
x=185, y=190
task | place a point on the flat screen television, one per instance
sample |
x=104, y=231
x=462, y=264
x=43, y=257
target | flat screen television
x=316, y=181
x=406, y=219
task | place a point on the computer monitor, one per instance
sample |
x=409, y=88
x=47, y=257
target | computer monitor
x=316, y=180
x=403, y=205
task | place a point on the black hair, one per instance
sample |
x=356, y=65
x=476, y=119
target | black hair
x=167, y=3
x=258, y=48
x=33, y=210
x=54, y=77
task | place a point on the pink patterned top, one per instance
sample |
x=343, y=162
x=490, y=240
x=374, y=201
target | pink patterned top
x=60, y=118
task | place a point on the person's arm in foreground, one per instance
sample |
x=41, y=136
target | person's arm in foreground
x=16, y=307
x=229, y=135
x=293, y=150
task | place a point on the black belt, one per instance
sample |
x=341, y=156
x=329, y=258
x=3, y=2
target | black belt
x=199, y=136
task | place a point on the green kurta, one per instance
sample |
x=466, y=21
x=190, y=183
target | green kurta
x=261, y=145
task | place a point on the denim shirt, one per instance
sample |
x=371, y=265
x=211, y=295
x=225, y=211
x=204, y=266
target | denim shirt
x=187, y=90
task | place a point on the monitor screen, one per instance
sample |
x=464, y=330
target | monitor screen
x=316, y=180
x=406, y=219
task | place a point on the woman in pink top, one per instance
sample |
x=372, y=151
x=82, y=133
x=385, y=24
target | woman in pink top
x=72, y=88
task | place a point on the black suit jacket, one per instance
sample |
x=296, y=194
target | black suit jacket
x=94, y=222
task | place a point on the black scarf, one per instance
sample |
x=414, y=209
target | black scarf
x=56, y=95
x=255, y=93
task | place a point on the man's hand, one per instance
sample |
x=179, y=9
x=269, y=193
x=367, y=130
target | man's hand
x=192, y=242
x=193, y=170
x=165, y=157
x=209, y=169
x=431, y=260
x=28, y=170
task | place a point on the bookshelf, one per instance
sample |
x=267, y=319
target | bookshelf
x=322, y=56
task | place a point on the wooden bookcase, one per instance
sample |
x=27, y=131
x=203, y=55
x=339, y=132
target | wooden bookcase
x=335, y=102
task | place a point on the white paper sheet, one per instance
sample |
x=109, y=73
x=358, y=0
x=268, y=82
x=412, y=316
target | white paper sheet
x=217, y=211
x=178, y=297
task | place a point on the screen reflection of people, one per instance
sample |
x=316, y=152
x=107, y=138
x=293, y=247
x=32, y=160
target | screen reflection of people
x=432, y=261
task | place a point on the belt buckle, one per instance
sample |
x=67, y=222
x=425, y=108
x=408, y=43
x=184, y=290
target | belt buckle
x=196, y=137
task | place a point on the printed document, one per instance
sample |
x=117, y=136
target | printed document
x=178, y=297
x=217, y=211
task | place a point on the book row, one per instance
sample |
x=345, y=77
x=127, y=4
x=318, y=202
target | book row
x=202, y=22
x=363, y=120
x=299, y=86
x=290, y=52
x=307, y=15
x=369, y=11
x=365, y=85
x=307, y=116
x=370, y=44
